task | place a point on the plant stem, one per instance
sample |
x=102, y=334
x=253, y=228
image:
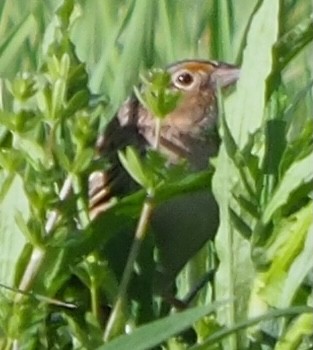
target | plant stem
x=113, y=325
x=54, y=215
x=38, y=254
x=158, y=122
x=94, y=296
x=82, y=208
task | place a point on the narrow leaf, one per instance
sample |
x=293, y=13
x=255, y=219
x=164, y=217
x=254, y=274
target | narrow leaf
x=154, y=333
x=299, y=173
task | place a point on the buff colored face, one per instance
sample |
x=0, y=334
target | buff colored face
x=198, y=80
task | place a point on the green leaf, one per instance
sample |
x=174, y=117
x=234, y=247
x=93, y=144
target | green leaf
x=229, y=331
x=299, y=173
x=64, y=12
x=24, y=229
x=299, y=269
x=134, y=45
x=11, y=239
x=11, y=159
x=22, y=262
x=293, y=337
x=275, y=145
x=289, y=45
x=23, y=87
x=235, y=270
x=245, y=110
x=299, y=146
x=156, y=332
x=240, y=225
x=6, y=182
x=78, y=101
x=131, y=161
x=58, y=98
x=156, y=94
x=288, y=243
x=62, y=157
x=11, y=47
x=32, y=148
x=82, y=161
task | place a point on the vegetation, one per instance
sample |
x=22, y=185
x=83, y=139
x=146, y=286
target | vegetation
x=65, y=68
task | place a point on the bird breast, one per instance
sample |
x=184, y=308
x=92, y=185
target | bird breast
x=186, y=133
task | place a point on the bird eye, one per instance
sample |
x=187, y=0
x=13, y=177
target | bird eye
x=185, y=79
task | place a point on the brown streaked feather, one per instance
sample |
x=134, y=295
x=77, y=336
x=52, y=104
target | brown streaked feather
x=188, y=132
x=121, y=132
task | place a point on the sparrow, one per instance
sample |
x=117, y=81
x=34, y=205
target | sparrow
x=187, y=133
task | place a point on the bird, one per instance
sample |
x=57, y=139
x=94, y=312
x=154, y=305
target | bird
x=188, y=133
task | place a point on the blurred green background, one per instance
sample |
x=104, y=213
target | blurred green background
x=120, y=39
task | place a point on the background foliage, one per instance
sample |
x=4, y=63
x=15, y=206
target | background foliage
x=51, y=66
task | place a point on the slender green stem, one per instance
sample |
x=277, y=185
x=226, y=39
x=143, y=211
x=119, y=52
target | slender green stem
x=113, y=325
x=141, y=230
x=30, y=271
x=92, y=261
x=232, y=341
x=40, y=297
x=94, y=296
x=82, y=207
x=54, y=215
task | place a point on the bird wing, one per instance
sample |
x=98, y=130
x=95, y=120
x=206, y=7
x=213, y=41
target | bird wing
x=104, y=185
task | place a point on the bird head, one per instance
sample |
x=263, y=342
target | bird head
x=198, y=82
x=185, y=132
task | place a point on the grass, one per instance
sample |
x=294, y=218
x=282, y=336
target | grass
x=52, y=63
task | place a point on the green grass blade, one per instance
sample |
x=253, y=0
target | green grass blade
x=244, y=115
x=299, y=173
x=11, y=239
x=156, y=332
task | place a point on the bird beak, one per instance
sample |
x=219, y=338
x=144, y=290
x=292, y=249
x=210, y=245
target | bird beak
x=225, y=75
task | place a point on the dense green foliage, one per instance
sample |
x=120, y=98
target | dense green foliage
x=65, y=67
